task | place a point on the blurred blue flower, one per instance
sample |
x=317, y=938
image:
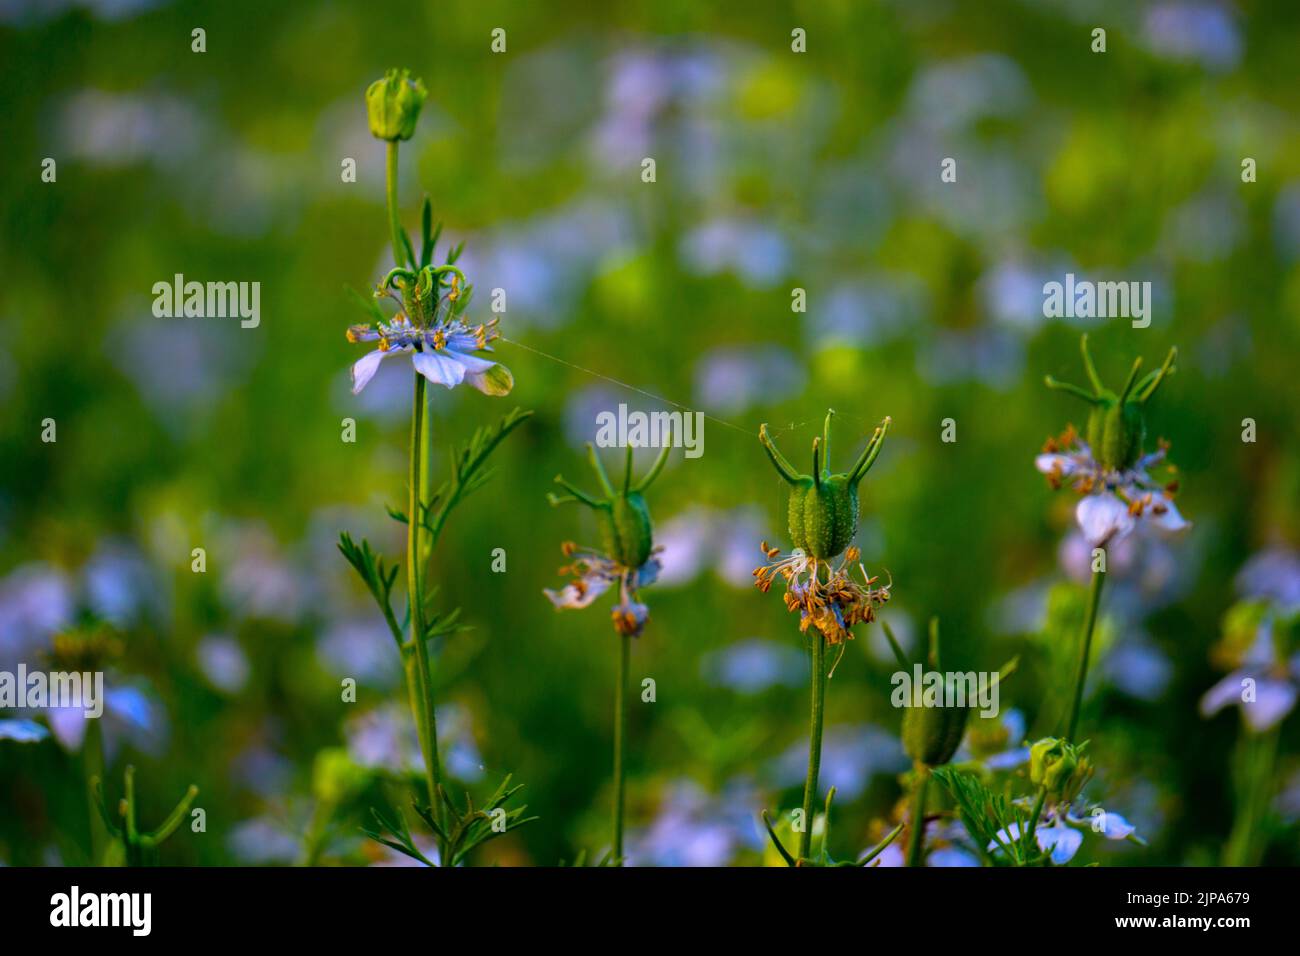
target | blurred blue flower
x=757, y=253
x=1273, y=574
x=701, y=539
x=120, y=585
x=361, y=648
x=132, y=717
x=1137, y=668
x=866, y=313
x=22, y=731
x=223, y=663
x=121, y=129
x=730, y=380
x=36, y=600
x=851, y=756
x=266, y=840
x=695, y=828
x=385, y=738
x=1200, y=31
x=951, y=95
x=755, y=665
x=989, y=355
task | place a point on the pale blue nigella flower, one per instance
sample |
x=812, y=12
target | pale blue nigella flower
x=440, y=352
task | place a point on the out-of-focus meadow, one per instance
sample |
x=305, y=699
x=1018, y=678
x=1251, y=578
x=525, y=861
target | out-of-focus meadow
x=774, y=170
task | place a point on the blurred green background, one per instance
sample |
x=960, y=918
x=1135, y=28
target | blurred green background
x=775, y=170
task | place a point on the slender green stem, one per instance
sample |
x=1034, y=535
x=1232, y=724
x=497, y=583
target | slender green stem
x=1032, y=833
x=1094, y=602
x=620, y=736
x=421, y=687
x=916, y=840
x=1253, y=769
x=92, y=755
x=425, y=714
x=394, y=219
x=816, y=720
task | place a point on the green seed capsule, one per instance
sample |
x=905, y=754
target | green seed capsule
x=1116, y=426
x=823, y=510
x=626, y=531
x=1115, y=433
x=823, y=518
x=931, y=735
x=627, y=535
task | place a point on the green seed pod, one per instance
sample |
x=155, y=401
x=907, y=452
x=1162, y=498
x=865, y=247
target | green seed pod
x=625, y=529
x=393, y=105
x=627, y=534
x=823, y=509
x=1116, y=426
x=1116, y=433
x=931, y=735
x=823, y=518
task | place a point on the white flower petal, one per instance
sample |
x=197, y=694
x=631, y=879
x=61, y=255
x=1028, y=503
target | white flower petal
x=1057, y=464
x=581, y=594
x=1006, y=835
x=1115, y=827
x=1225, y=692
x=364, y=369
x=1274, y=699
x=1061, y=841
x=69, y=726
x=1166, y=518
x=441, y=368
x=1103, y=518
x=490, y=378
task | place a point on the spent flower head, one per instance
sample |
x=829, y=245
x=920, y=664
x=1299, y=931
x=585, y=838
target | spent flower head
x=628, y=556
x=823, y=518
x=1116, y=478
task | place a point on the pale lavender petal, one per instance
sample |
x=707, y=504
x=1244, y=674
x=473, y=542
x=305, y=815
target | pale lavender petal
x=364, y=369
x=439, y=367
x=1061, y=841
x=1274, y=699
x=1103, y=518
x=1115, y=827
x=576, y=595
x=69, y=726
x=1225, y=692
x=1055, y=464
x=490, y=378
x=1168, y=519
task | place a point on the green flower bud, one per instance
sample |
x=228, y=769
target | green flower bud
x=393, y=104
x=1116, y=426
x=1059, y=766
x=931, y=735
x=824, y=507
